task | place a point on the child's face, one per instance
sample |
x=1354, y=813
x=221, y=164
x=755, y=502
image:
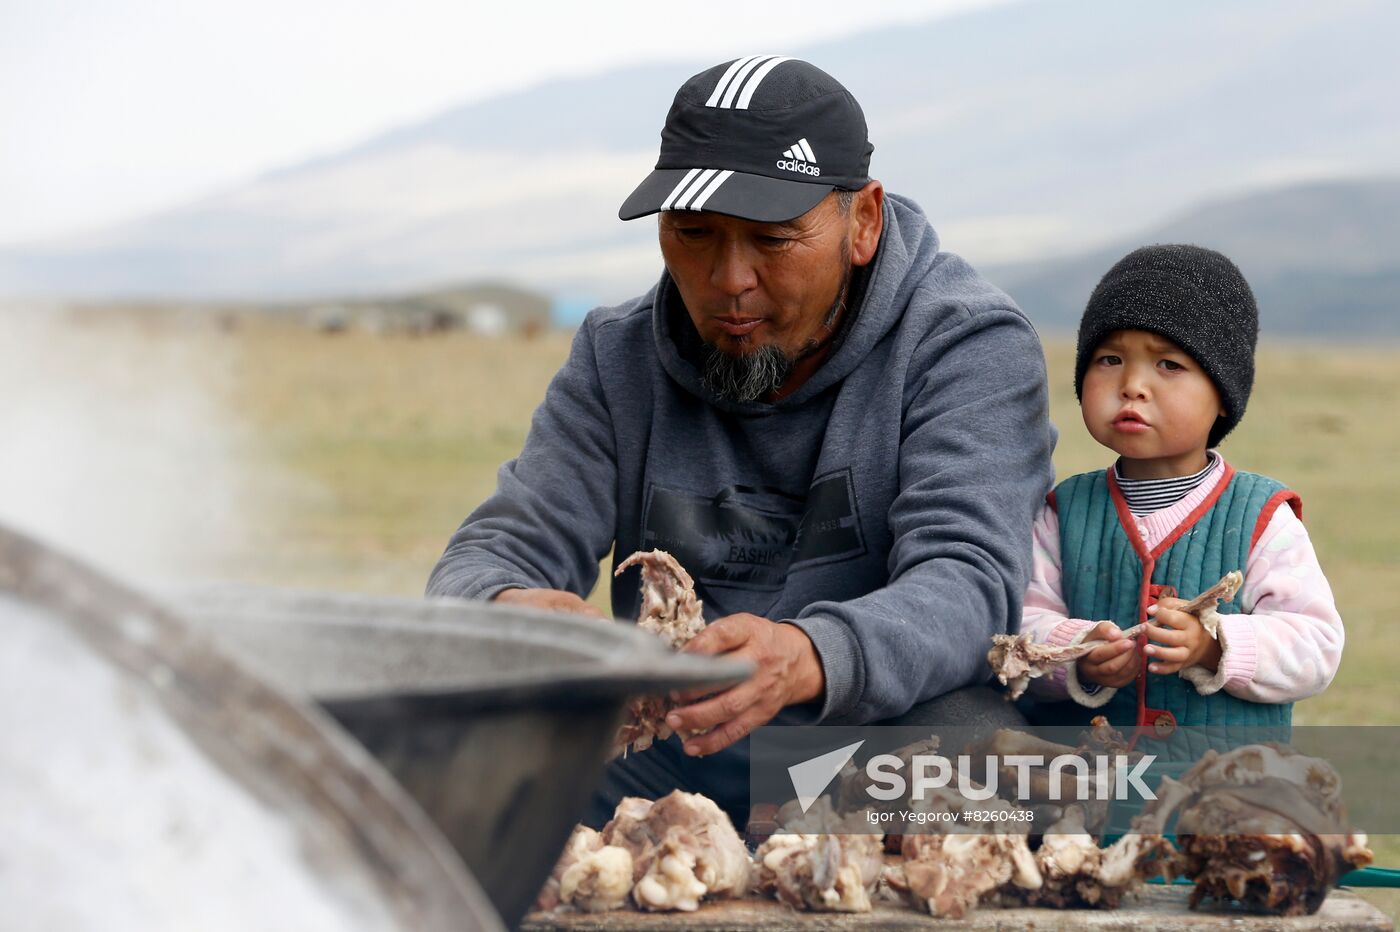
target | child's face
x=1151, y=403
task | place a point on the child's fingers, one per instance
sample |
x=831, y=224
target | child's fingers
x=1117, y=665
x=1162, y=658
x=1168, y=636
x=1169, y=618
x=1109, y=651
x=1104, y=631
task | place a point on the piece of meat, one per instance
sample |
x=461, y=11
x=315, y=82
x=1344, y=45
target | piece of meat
x=680, y=844
x=950, y=871
x=669, y=607
x=1262, y=825
x=670, y=610
x=629, y=828
x=949, y=875
x=1076, y=872
x=1016, y=659
x=670, y=876
x=821, y=861
x=668, y=855
x=821, y=872
x=723, y=864
x=598, y=881
x=583, y=841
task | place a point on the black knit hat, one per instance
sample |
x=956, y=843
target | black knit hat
x=1194, y=297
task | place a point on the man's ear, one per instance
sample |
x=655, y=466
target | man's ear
x=867, y=222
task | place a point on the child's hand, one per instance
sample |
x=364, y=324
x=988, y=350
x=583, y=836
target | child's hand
x=1114, y=663
x=1179, y=639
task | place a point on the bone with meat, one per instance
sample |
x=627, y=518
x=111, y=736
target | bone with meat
x=684, y=849
x=1076, y=872
x=1017, y=659
x=821, y=861
x=950, y=873
x=1262, y=825
x=665, y=855
x=589, y=875
x=671, y=611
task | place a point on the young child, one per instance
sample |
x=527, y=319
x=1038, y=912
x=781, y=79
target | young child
x=1164, y=368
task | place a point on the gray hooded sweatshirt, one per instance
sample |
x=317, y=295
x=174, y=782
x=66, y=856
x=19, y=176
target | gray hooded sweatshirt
x=885, y=507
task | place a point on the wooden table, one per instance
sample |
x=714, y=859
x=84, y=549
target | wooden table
x=1157, y=907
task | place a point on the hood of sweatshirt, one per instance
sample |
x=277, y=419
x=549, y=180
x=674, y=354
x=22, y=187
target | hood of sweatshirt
x=908, y=247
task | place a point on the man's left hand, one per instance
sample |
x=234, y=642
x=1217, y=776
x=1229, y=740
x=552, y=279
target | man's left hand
x=788, y=671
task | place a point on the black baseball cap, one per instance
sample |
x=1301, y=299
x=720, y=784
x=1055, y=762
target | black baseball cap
x=763, y=138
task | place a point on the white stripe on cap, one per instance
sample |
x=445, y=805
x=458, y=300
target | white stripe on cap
x=699, y=202
x=724, y=81
x=738, y=82
x=683, y=202
x=807, y=149
x=666, y=204
x=756, y=80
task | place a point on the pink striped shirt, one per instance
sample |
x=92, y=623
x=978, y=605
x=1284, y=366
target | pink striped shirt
x=1283, y=645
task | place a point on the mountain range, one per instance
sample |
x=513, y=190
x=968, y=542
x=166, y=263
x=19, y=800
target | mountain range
x=1040, y=137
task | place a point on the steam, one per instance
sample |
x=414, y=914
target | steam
x=115, y=445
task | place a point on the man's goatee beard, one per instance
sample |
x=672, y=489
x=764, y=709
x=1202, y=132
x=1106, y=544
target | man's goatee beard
x=747, y=377
x=756, y=375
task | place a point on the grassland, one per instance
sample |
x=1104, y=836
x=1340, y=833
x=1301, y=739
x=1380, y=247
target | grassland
x=396, y=439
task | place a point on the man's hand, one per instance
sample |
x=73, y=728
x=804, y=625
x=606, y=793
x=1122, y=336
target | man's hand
x=1180, y=640
x=549, y=600
x=789, y=671
x=1115, y=663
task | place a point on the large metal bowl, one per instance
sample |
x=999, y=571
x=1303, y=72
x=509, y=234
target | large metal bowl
x=497, y=720
x=149, y=781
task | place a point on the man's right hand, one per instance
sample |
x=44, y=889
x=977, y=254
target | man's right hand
x=549, y=600
x=1114, y=663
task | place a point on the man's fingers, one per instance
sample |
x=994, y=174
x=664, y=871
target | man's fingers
x=688, y=696
x=716, y=710
x=550, y=600
x=727, y=733
x=719, y=637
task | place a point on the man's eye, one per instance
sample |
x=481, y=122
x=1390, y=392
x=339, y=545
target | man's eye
x=689, y=232
x=773, y=240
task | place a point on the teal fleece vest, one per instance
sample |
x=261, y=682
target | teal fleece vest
x=1109, y=574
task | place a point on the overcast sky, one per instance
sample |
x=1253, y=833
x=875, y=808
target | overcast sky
x=112, y=109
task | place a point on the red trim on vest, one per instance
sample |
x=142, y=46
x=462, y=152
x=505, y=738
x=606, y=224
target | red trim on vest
x=1266, y=515
x=1125, y=519
x=1050, y=500
x=1197, y=513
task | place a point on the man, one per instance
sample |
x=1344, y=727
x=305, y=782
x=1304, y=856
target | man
x=838, y=430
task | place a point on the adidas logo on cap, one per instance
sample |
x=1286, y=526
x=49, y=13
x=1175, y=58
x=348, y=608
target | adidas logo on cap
x=801, y=159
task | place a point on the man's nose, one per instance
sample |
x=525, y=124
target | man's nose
x=733, y=271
